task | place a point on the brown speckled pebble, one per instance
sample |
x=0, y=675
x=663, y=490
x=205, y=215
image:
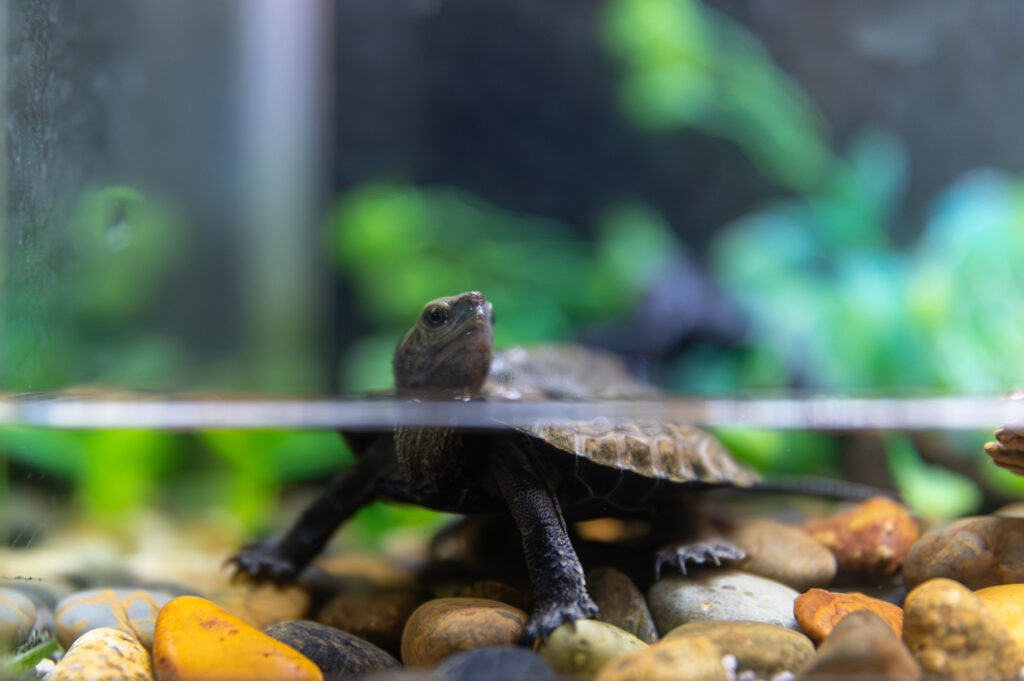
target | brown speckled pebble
x=376, y=616
x=104, y=654
x=863, y=645
x=445, y=626
x=977, y=552
x=621, y=603
x=869, y=539
x=765, y=649
x=955, y=637
x=687, y=658
x=784, y=553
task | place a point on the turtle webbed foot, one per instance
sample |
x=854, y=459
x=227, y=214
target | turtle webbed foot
x=264, y=560
x=1008, y=449
x=548, y=617
x=699, y=553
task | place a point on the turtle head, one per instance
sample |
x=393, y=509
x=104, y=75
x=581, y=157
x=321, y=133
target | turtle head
x=449, y=349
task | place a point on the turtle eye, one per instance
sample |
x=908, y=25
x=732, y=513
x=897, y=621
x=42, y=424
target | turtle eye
x=435, y=316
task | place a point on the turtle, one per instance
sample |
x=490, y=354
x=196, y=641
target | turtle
x=542, y=474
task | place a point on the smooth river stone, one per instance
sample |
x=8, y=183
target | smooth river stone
x=196, y=640
x=817, y=611
x=621, y=603
x=784, y=553
x=263, y=604
x=863, y=645
x=133, y=611
x=445, y=626
x=869, y=539
x=104, y=654
x=1006, y=602
x=720, y=595
x=485, y=588
x=17, y=617
x=582, y=648
x=955, y=637
x=333, y=650
x=765, y=649
x=374, y=615
x=979, y=551
x=494, y=663
x=686, y=658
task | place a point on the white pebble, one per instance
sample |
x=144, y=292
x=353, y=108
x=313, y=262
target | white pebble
x=784, y=676
x=45, y=665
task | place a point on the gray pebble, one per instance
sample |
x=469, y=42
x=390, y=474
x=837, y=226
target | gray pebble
x=720, y=595
x=333, y=650
x=495, y=663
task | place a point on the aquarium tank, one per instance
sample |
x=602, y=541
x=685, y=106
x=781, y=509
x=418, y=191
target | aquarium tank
x=469, y=339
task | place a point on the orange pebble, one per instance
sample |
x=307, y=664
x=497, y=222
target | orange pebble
x=818, y=610
x=195, y=640
x=872, y=538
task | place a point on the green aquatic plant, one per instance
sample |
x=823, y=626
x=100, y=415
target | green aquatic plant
x=685, y=65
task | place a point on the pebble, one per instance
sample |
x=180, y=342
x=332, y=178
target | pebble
x=376, y=616
x=133, y=611
x=817, y=611
x=332, y=650
x=686, y=658
x=621, y=603
x=495, y=663
x=487, y=588
x=862, y=644
x=261, y=604
x=872, y=538
x=374, y=569
x=784, y=553
x=104, y=654
x=720, y=595
x=954, y=636
x=765, y=649
x=17, y=617
x=196, y=640
x=1006, y=601
x=445, y=626
x=583, y=647
x=978, y=551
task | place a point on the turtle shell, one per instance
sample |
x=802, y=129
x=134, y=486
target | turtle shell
x=662, y=451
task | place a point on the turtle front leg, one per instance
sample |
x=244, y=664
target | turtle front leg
x=559, y=589
x=281, y=559
x=1008, y=449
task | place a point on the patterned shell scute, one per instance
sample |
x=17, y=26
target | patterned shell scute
x=666, y=451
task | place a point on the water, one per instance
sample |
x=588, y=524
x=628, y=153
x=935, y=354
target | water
x=813, y=412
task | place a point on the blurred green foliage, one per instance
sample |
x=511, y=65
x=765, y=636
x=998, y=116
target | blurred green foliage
x=685, y=65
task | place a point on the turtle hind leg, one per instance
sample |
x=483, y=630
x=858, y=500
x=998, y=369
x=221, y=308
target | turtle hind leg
x=710, y=551
x=1007, y=451
x=556, y=575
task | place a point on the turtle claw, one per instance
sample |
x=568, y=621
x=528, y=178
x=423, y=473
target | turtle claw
x=1008, y=449
x=547, y=618
x=699, y=553
x=262, y=561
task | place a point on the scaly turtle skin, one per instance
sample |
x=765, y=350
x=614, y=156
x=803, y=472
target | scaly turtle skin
x=540, y=474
